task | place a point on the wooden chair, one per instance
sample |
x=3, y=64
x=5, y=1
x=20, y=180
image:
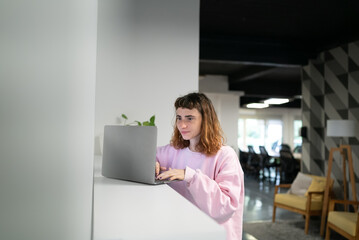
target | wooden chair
x=343, y=222
x=310, y=205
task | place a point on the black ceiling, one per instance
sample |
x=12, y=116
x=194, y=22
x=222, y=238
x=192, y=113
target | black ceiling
x=261, y=45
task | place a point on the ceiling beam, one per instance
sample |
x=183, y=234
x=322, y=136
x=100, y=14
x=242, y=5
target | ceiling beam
x=269, y=88
x=250, y=73
x=255, y=50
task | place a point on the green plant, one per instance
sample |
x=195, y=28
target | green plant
x=151, y=122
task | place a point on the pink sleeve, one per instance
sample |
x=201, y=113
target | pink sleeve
x=220, y=197
x=163, y=155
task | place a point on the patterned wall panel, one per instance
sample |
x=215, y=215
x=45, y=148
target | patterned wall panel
x=330, y=90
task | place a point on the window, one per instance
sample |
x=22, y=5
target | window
x=297, y=138
x=274, y=135
x=259, y=132
x=255, y=133
x=269, y=128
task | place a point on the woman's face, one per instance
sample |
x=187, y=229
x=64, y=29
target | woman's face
x=189, y=123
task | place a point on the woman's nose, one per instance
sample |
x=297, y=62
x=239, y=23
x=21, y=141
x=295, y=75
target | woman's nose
x=182, y=124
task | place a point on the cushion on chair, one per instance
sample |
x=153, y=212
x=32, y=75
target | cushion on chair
x=300, y=184
x=344, y=220
x=316, y=186
x=296, y=201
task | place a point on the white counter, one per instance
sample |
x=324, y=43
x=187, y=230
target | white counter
x=125, y=210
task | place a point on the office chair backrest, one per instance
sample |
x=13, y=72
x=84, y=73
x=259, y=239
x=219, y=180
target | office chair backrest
x=263, y=151
x=287, y=161
x=251, y=149
x=285, y=147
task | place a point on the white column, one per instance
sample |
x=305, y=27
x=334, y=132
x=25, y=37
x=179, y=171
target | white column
x=148, y=53
x=47, y=101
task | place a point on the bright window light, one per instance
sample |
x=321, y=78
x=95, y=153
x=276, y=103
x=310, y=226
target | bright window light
x=257, y=105
x=276, y=100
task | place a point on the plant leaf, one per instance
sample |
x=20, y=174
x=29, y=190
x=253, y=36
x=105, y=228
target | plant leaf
x=138, y=123
x=152, y=120
x=124, y=116
x=146, y=123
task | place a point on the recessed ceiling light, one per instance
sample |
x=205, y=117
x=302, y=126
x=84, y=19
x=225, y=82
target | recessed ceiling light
x=257, y=105
x=276, y=100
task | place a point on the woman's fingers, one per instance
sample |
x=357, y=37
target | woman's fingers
x=172, y=174
x=159, y=169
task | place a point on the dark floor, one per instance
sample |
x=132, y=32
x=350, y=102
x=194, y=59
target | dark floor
x=259, y=203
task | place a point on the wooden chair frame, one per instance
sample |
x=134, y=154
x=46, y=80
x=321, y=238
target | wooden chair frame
x=346, y=157
x=307, y=212
x=331, y=226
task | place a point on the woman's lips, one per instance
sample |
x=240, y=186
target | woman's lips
x=184, y=132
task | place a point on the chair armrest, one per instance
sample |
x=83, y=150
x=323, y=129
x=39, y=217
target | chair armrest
x=309, y=198
x=284, y=185
x=332, y=203
x=315, y=192
x=281, y=186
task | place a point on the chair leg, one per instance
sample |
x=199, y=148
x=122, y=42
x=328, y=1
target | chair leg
x=327, y=234
x=273, y=217
x=307, y=218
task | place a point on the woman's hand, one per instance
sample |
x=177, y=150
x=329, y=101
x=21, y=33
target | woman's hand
x=159, y=168
x=172, y=174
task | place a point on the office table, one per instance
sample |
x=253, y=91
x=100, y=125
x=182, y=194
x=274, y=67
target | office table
x=126, y=210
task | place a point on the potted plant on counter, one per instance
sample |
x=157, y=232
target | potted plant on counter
x=150, y=122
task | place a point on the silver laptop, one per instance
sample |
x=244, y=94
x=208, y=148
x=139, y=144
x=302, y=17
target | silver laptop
x=129, y=153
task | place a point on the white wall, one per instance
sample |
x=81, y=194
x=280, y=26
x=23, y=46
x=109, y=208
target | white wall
x=226, y=104
x=47, y=91
x=148, y=54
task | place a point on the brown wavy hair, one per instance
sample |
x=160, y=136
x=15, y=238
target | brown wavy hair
x=211, y=138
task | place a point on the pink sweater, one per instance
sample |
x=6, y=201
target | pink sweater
x=214, y=184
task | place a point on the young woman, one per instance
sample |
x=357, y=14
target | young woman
x=209, y=172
